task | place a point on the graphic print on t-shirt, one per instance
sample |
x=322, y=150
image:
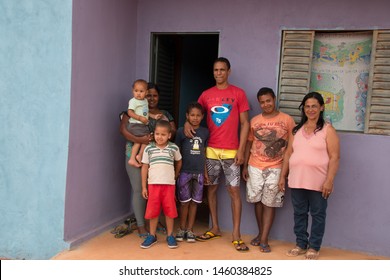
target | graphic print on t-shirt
x=195, y=145
x=220, y=113
x=273, y=143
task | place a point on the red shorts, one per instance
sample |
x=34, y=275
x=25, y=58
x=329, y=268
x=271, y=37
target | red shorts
x=161, y=196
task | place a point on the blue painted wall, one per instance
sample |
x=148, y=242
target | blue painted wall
x=35, y=72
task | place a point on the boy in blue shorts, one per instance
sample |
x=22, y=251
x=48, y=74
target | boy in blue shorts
x=161, y=164
x=193, y=172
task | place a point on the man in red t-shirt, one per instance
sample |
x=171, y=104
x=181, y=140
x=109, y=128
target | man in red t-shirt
x=227, y=108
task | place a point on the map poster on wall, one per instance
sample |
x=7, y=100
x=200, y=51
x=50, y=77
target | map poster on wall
x=340, y=68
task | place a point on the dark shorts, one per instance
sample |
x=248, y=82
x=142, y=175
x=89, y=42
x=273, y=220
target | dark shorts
x=190, y=187
x=138, y=129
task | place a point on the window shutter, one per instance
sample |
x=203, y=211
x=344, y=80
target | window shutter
x=378, y=100
x=295, y=67
x=165, y=73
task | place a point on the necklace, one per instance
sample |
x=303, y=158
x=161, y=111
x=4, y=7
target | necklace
x=309, y=129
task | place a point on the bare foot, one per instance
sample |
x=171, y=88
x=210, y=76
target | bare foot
x=134, y=163
x=139, y=159
x=296, y=251
x=312, y=254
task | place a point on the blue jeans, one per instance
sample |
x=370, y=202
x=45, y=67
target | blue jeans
x=305, y=201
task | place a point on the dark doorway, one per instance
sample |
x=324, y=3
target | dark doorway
x=181, y=64
x=182, y=67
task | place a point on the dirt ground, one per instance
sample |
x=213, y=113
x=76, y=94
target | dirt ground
x=106, y=247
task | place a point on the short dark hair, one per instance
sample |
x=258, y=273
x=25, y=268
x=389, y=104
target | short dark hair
x=153, y=85
x=193, y=105
x=264, y=91
x=224, y=60
x=140, y=81
x=164, y=123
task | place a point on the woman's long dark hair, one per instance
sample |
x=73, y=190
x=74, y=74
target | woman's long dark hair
x=321, y=120
x=153, y=85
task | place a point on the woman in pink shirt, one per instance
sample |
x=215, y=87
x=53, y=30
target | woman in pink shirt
x=311, y=162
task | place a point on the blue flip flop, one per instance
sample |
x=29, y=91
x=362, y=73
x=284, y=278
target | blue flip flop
x=161, y=229
x=264, y=248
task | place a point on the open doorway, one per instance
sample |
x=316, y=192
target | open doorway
x=181, y=64
x=182, y=67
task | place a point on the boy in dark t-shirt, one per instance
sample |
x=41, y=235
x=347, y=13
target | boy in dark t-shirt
x=193, y=174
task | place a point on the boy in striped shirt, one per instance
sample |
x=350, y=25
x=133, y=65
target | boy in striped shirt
x=161, y=164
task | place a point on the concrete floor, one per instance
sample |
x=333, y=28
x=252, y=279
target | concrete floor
x=106, y=247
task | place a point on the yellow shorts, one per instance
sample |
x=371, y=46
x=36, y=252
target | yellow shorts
x=215, y=153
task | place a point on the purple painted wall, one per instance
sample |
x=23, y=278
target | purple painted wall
x=103, y=60
x=111, y=47
x=250, y=36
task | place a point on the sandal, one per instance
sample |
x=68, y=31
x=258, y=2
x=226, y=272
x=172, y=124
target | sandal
x=240, y=246
x=129, y=222
x=255, y=241
x=123, y=232
x=296, y=252
x=312, y=254
x=116, y=229
x=161, y=229
x=264, y=248
x=208, y=235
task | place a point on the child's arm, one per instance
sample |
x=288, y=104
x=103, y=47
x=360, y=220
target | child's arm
x=133, y=115
x=178, y=164
x=144, y=179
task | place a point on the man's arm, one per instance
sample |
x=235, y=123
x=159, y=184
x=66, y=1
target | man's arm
x=244, y=130
x=245, y=174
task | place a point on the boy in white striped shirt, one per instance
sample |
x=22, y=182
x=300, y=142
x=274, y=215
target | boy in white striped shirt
x=161, y=164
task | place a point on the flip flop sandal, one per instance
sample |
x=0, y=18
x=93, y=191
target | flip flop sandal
x=255, y=242
x=208, y=235
x=117, y=229
x=123, y=232
x=295, y=252
x=264, y=248
x=161, y=230
x=130, y=221
x=240, y=246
